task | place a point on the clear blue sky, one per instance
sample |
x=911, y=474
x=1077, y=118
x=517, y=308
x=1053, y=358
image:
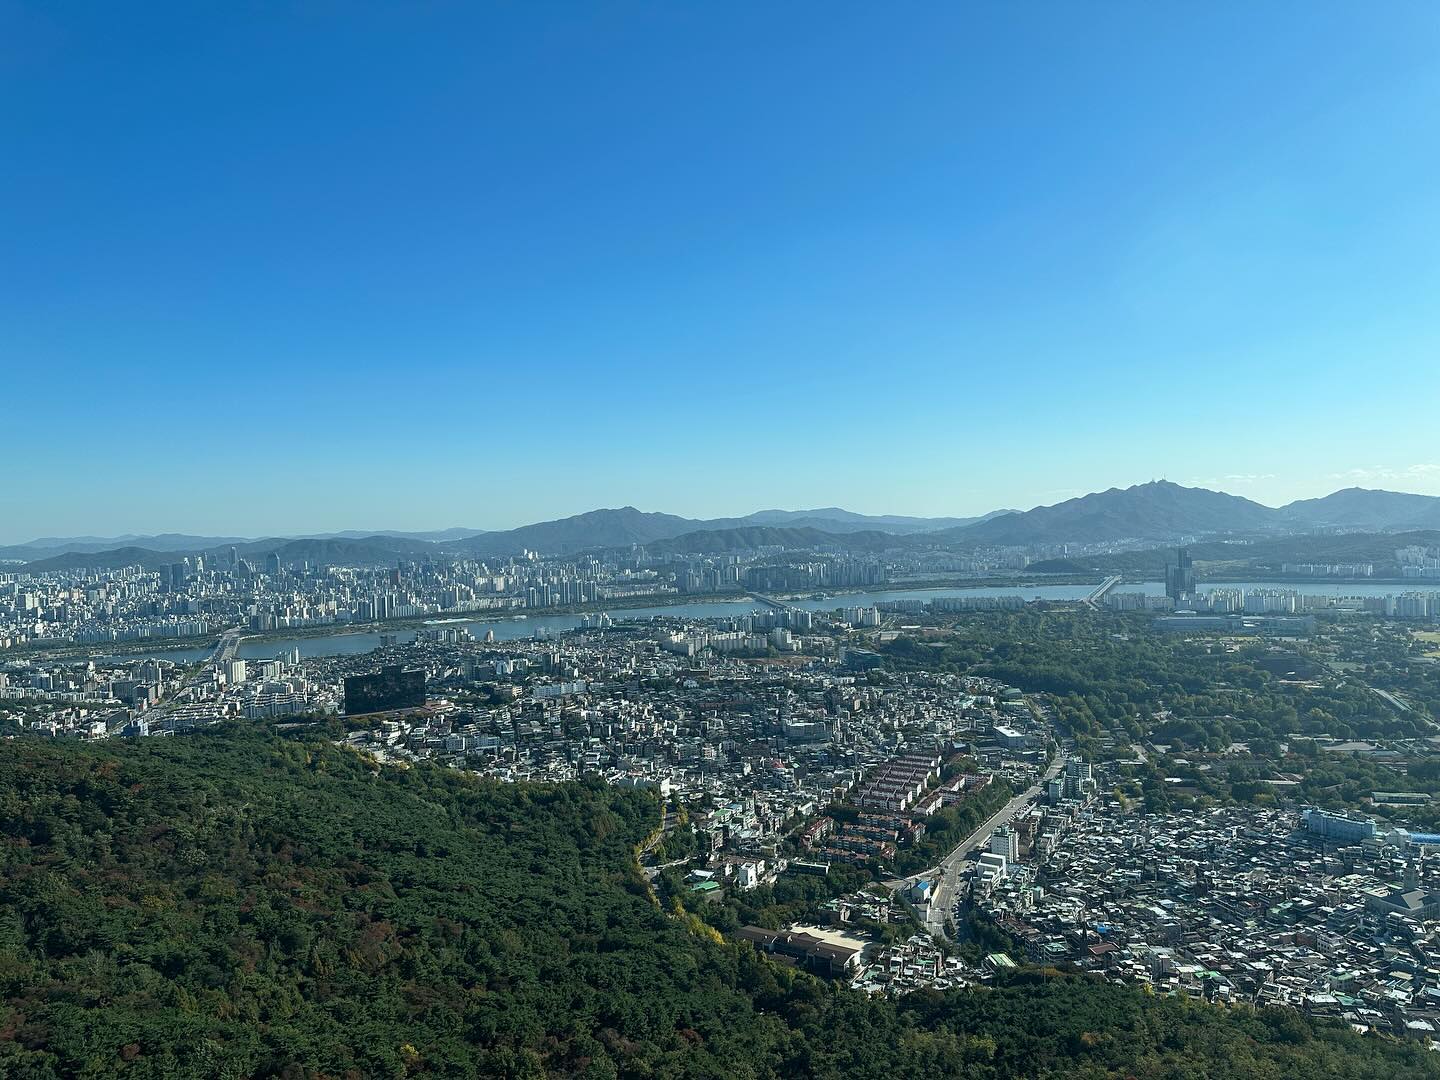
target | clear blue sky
x=286, y=267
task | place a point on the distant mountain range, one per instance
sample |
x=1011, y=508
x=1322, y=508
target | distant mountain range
x=1156, y=512
x=833, y=519
x=56, y=545
x=626, y=526
x=1161, y=510
x=754, y=537
x=595, y=529
x=1363, y=508
x=185, y=544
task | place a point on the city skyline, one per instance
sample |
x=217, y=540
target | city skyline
x=490, y=267
x=676, y=540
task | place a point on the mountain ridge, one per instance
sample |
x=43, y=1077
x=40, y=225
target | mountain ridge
x=1356, y=507
x=612, y=527
x=1159, y=511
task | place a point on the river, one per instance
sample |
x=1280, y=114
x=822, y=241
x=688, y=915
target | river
x=346, y=643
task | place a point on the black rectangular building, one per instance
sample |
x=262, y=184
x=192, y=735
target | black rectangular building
x=389, y=688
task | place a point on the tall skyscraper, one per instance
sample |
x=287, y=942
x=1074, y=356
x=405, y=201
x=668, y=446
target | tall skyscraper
x=1180, y=578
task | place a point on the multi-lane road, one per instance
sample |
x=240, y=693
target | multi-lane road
x=949, y=873
x=226, y=647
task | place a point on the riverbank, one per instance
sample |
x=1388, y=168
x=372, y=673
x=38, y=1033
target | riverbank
x=496, y=617
x=352, y=638
x=117, y=650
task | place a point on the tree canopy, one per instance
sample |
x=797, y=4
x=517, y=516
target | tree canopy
x=240, y=904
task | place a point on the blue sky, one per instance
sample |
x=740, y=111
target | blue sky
x=298, y=267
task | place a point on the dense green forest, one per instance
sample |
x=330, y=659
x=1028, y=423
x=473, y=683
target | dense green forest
x=1231, y=718
x=238, y=904
x=1106, y=671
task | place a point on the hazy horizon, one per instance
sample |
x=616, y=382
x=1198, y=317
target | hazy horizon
x=1139, y=784
x=425, y=266
x=562, y=514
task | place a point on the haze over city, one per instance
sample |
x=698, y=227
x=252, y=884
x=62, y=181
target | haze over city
x=787, y=542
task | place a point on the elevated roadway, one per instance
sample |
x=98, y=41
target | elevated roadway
x=767, y=601
x=1100, y=590
x=226, y=647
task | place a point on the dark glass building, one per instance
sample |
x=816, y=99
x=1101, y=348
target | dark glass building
x=1180, y=578
x=389, y=688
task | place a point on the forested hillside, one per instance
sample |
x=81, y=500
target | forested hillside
x=238, y=904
